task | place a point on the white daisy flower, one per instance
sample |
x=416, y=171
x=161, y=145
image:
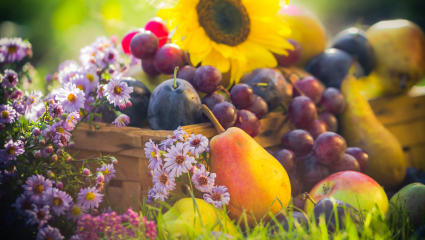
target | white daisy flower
x=197, y=144
x=177, y=160
x=71, y=98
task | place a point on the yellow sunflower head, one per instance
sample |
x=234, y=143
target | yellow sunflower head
x=235, y=35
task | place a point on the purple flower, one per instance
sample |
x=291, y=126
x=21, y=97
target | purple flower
x=150, y=228
x=154, y=154
x=86, y=172
x=13, y=49
x=11, y=150
x=118, y=92
x=76, y=237
x=100, y=178
x=56, y=128
x=218, y=196
x=100, y=91
x=17, y=94
x=91, y=74
x=36, y=112
x=10, y=78
x=109, y=210
x=87, y=55
x=58, y=201
x=151, y=195
x=71, y=98
x=23, y=203
x=71, y=121
x=163, y=182
x=197, y=144
x=32, y=99
x=66, y=63
x=167, y=142
x=89, y=197
x=107, y=171
x=69, y=70
x=82, y=83
x=177, y=161
x=10, y=171
x=35, y=186
x=60, y=140
x=49, y=233
x=55, y=110
x=203, y=180
x=121, y=121
x=179, y=134
x=76, y=211
x=7, y=114
x=160, y=196
x=19, y=108
x=110, y=56
x=38, y=216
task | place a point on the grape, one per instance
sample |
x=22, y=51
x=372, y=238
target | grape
x=330, y=120
x=258, y=106
x=168, y=57
x=241, y=95
x=293, y=55
x=212, y=99
x=347, y=163
x=361, y=156
x=316, y=128
x=298, y=141
x=298, y=204
x=225, y=113
x=187, y=73
x=248, y=122
x=157, y=27
x=144, y=45
x=296, y=184
x=329, y=148
x=310, y=87
x=148, y=67
x=125, y=43
x=207, y=79
x=333, y=100
x=302, y=111
x=313, y=172
x=287, y=159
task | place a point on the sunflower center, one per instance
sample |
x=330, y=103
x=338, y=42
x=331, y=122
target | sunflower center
x=180, y=159
x=12, y=49
x=27, y=205
x=106, y=172
x=90, y=196
x=11, y=150
x=76, y=211
x=4, y=114
x=163, y=179
x=117, y=90
x=72, y=98
x=38, y=188
x=196, y=142
x=224, y=21
x=203, y=180
x=41, y=215
x=90, y=77
x=216, y=197
x=57, y=201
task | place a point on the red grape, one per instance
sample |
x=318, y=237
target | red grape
x=333, y=100
x=293, y=55
x=144, y=45
x=225, y=113
x=168, y=57
x=287, y=159
x=313, y=172
x=248, y=122
x=296, y=184
x=310, y=87
x=212, y=99
x=302, y=111
x=329, y=148
x=157, y=27
x=187, y=73
x=125, y=43
x=207, y=79
x=241, y=95
x=298, y=141
x=330, y=120
x=347, y=163
x=258, y=106
x=361, y=156
x=148, y=67
x=316, y=128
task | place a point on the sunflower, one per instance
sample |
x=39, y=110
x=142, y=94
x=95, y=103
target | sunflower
x=235, y=35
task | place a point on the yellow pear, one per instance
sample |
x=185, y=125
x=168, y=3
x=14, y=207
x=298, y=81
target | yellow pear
x=361, y=128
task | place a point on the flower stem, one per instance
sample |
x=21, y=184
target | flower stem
x=212, y=118
x=175, y=77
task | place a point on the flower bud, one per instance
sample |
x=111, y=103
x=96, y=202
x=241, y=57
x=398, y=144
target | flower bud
x=65, y=115
x=68, y=158
x=54, y=158
x=114, y=161
x=51, y=101
x=123, y=106
x=49, y=149
x=17, y=94
x=114, y=39
x=111, y=70
x=150, y=174
x=99, y=71
x=94, y=212
x=59, y=185
x=2, y=126
x=44, y=165
x=36, y=132
x=86, y=172
x=128, y=104
x=100, y=178
x=100, y=186
x=22, y=139
x=37, y=154
x=50, y=174
x=48, y=78
x=19, y=182
x=42, y=141
x=71, y=145
x=6, y=94
x=59, y=152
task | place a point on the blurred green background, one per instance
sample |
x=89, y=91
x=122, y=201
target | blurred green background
x=58, y=29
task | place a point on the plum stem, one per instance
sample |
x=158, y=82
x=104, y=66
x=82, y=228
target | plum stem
x=175, y=77
x=212, y=118
x=306, y=196
x=260, y=84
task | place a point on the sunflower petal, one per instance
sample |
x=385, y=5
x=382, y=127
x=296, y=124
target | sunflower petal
x=256, y=51
x=217, y=60
x=199, y=41
x=263, y=8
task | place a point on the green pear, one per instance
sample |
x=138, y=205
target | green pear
x=361, y=128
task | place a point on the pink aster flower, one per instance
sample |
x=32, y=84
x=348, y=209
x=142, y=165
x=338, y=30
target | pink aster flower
x=163, y=182
x=180, y=134
x=90, y=72
x=218, y=196
x=49, y=233
x=13, y=49
x=121, y=121
x=203, y=180
x=197, y=144
x=89, y=197
x=58, y=127
x=58, y=201
x=60, y=140
x=87, y=55
x=167, y=142
x=70, y=70
x=108, y=171
x=107, y=210
x=151, y=195
x=55, y=110
x=66, y=63
x=76, y=211
x=10, y=78
x=38, y=216
x=81, y=82
x=19, y=108
x=32, y=99
x=118, y=92
x=177, y=161
x=71, y=121
x=101, y=91
x=7, y=114
x=71, y=98
x=11, y=150
x=154, y=154
x=109, y=56
x=23, y=203
x=36, y=186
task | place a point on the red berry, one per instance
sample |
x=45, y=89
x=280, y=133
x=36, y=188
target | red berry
x=125, y=43
x=159, y=28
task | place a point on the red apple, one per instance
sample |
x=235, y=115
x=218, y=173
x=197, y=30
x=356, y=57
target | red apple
x=350, y=187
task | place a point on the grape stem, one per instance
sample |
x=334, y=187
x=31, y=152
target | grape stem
x=225, y=90
x=293, y=83
x=175, y=77
x=212, y=118
x=261, y=84
x=306, y=196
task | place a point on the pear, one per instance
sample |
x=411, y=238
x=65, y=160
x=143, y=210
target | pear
x=361, y=128
x=257, y=183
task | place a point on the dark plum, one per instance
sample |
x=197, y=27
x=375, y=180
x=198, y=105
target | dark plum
x=294, y=218
x=212, y=99
x=287, y=159
x=248, y=122
x=361, y=156
x=329, y=148
x=275, y=90
x=241, y=95
x=313, y=172
x=347, y=163
x=225, y=113
x=311, y=87
x=168, y=57
x=296, y=184
x=354, y=42
x=316, y=128
x=144, y=45
x=258, y=106
x=187, y=73
x=292, y=57
x=330, y=120
x=333, y=101
x=298, y=141
x=157, y=26
x=148, y=67
x=302, y=111
x=207, y=79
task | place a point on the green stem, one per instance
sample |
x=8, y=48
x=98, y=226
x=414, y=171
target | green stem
x=306, y=196
x=261, y=84
x=175, y=77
